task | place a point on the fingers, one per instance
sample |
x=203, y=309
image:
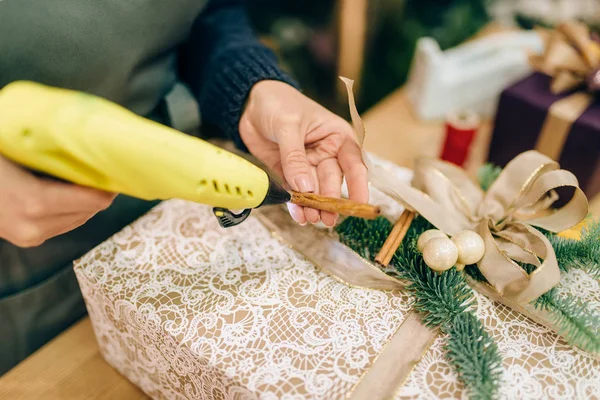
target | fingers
x=298, y=166
x=34, y=233
x=64, y=223
x=330, y=183
x=34, y=209
x=295, y=165
x=350, y=159
x=65, y=198
x=297, y=213
x=55, y=209
x=298, y=172
x=310, y=214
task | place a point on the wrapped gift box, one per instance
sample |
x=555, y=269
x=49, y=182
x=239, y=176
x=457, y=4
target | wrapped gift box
x=523, y=113
x=187, y=310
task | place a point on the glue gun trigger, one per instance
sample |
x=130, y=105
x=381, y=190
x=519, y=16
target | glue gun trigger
x=227, y=219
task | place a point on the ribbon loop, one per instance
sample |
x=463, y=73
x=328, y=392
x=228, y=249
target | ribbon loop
x=514, y=181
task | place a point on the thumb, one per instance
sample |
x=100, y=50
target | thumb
x=295, y=165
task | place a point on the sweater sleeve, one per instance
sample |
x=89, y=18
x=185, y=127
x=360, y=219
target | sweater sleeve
x=221, y=61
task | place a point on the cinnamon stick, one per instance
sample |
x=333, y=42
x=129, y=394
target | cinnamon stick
x=387, y=245
x=399, y=238
x=339, y=206
x=395, y=237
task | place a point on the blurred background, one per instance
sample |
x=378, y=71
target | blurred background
x=378, y=42
x=317, y=40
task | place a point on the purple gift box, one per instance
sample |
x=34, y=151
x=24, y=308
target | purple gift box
x=523, y=110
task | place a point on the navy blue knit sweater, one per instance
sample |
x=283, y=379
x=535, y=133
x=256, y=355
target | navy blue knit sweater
x=222, y=60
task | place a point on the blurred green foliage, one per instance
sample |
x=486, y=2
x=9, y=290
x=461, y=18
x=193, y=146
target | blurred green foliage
x=304, y=33
x=388, y=61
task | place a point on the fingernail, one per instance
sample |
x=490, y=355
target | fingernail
x=304, y=183
x=302, y=224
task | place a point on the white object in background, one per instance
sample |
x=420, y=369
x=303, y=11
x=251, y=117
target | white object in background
x=470, y=76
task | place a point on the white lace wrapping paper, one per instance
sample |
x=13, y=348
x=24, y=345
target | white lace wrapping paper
x=187, y=310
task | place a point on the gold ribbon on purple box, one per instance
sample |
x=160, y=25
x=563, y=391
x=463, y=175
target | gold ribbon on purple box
x=572, y=59
x=506, y=216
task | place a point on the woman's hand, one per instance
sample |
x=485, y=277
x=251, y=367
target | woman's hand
x=33, y=210
x=312, y=148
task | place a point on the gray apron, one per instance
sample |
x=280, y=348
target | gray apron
x=124, y=51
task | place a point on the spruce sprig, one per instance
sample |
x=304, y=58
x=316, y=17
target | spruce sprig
x=583, y=254
x=443, y=300
x=439, y=297
x=466, y=338
x=575, y=323
x=364, y=237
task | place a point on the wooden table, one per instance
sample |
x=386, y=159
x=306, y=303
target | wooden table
x=70, y=367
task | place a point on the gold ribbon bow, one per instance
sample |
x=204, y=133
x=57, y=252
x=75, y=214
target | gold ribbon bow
x=571, y=58
x=504, y=216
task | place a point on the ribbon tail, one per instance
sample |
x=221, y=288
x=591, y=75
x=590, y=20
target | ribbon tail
x=359, y=126
x=403, y=193
x=546, y=276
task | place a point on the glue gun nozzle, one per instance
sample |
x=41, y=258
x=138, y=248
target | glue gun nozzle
x=276, y=194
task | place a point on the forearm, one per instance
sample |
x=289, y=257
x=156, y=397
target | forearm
x=221, y=62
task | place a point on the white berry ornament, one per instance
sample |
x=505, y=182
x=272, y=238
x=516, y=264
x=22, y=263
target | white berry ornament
x=470, y=247
x=440, y=254
x=427, y=236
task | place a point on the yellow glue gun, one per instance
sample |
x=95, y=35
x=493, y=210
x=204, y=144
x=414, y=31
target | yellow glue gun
x=93, y=142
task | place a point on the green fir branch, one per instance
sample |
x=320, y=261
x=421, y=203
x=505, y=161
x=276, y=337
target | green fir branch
x=439, y=297
x=583, y=254
x=364, y=237
x=473, y=351
x=573, y=320
x=443, y=301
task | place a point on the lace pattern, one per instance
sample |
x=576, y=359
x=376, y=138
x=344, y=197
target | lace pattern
x=537, y=363
x=185, y=309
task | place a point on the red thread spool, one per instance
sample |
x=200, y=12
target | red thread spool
x=461, y=128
